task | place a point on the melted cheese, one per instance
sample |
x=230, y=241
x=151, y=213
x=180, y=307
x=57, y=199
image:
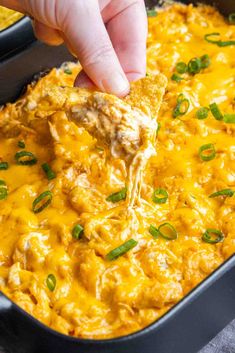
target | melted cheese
x=95, y=298
x=8, y=17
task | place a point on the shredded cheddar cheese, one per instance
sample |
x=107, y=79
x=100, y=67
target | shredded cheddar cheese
x=80, y=264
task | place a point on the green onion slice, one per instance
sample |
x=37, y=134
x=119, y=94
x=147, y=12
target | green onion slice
x=21, y=144
x=42, y=201
x=194, y=66
x=48, y=171
x=216, y=111
x=208, y=37
x=182, y=106
x=51, y=282
x=3, y=190
x=121, y=250
x=218, y=42
x=180, y=98
x=207, y=152
x=229, y=118
x=100, y=149
x=68, y=71
x=205, y=61
x=117, y=196
x=77, y=231
x=154, y=231
x=176, y=78
x=4, y=166
x=167, y=231
x=202, y=113
x=25, y=158
x=212, y=236
x=151, y=13
x=231, y=18
x=160, y=196
x=181, y=67
x=158, y=128
x=224, y=192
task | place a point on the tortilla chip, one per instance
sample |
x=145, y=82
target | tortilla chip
x=147, y=94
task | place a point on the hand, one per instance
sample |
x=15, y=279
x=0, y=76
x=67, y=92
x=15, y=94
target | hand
x=107, y=36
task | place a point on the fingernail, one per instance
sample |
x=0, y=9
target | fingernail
x=117, y=84
x=83, y=81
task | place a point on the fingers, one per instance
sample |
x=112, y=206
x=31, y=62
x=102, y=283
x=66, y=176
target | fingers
x=126, y=23
x=47, y=34
x=90, y=42
x=108, y=58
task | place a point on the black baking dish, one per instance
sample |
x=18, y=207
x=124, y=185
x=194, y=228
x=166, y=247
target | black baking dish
x=16, y=36
x=22, y=56
x=187, y=327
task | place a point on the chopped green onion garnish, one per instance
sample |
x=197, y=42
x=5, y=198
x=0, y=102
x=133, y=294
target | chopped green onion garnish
x=67, y=71
x=25, y=158
x=208, y=37
x=176, y=78
x=48, y=171
x=216, y=111
x=181, y=107
x=51, y=282
x=42, y=201
x=160, y=196
x=224, y=192
x=219, y=42
x=100, y=149
x=231, y=18
x=194, y=66
x=3, y=190
x=180, y=98
x=154, y=231
x=117, y=196
x=158, y=128
x=121, y=250
x=226, y=43
x=167, y=231
x=4, y=166
x=77, y=231
x=207, y=152
x=181, y=68
x=212, y=236
x=229, y=118
x=202, y=113
x=205, y=61
x=21, y=144
x=151, y=13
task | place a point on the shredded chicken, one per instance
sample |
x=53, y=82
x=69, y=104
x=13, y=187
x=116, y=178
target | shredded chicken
x=128, y=130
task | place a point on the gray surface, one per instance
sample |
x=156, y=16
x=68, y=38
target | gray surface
x=223, y=343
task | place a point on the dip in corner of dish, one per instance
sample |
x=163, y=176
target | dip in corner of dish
x=8, y=17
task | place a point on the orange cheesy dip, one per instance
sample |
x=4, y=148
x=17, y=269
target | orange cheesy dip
x=8, y=17
x=108, y=219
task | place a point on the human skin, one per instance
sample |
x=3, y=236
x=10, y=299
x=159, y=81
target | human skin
x=107, y=36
